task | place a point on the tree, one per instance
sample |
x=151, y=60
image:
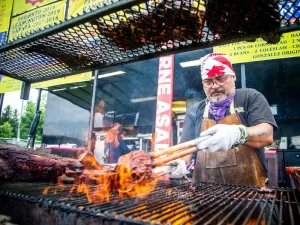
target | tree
x=27, y=119
x=6, y=115
x=14, y=122
x=6, y=130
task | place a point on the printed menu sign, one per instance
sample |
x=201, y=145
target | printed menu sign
x=241, y=52
x=5, y=12
x=36, y=19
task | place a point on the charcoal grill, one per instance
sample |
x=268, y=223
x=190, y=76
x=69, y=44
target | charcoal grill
x=169, y=203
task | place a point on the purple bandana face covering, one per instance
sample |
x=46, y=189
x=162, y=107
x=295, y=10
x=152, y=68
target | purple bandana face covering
x=218, y=109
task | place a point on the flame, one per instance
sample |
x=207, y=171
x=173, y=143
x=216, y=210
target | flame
x=99, y=185
x=182, y=219
x=132, y=187
x=72, y=188
x=100, y=182
x=46, y=190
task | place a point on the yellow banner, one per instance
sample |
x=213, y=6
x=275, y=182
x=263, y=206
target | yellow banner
x=5, y=12
x=34, y=20
x=64, y=80
x=78, y=7
x=241, y=52
x=8, y=84
x=21, y=6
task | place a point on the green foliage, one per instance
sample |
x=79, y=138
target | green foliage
x=6, y=114
x=11, y=117
x=14, y=121
x=6, y=130
x=27, y=118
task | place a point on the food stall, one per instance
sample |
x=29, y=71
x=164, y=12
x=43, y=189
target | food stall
x=116, y=33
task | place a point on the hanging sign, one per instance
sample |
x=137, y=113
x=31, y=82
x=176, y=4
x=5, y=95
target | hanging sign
x=30, y=22
x=163, y=123
x=241, y=52
x=5, y=13
x=78, y=7
x=21, y=6
x=8, y=84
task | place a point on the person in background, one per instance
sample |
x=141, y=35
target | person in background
x=115, y=146
x=99, y=114
x=235, y=125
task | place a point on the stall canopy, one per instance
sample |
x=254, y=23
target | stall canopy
x=117, y=32
x=135, y=82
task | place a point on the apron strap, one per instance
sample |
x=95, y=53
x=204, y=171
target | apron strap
x=231, y=109
x=206, y=109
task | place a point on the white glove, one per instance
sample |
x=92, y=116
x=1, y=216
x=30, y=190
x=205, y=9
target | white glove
x=223, y=138
x=180, y=170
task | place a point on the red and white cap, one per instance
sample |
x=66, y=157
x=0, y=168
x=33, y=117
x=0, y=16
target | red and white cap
x=215, y=65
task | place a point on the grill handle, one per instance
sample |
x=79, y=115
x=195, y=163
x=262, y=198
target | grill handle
x=176, y=148
x=177, y=155
x=172, y=149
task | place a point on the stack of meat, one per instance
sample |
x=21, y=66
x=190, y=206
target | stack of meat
x=164, y=20
x=234, y=18
x=19, y=164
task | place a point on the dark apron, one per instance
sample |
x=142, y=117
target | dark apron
x=228, y=167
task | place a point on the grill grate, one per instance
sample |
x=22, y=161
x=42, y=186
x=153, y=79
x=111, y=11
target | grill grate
x=119, y=33
x=170, y=203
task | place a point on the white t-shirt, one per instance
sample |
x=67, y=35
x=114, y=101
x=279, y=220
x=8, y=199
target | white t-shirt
x=98, y=121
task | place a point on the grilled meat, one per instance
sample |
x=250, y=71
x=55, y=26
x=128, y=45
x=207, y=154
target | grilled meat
x=21, y=164
x=136, y=166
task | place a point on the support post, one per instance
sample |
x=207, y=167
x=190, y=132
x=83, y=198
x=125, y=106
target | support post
x=25, y=90
x=1, y=102
x=37, y=108
x=243, y=75
x=92, y=113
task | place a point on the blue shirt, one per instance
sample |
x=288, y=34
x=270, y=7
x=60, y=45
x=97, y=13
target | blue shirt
x=114, y=153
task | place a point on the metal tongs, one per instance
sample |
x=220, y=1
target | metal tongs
x=161, y=157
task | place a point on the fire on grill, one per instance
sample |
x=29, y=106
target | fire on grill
x=168, y=203
x=133, y=174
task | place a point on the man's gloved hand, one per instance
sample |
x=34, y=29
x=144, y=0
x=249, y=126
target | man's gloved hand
x=180, y=170
x=224, y=137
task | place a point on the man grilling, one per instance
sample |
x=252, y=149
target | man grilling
x=238, y=123
x=115, y=146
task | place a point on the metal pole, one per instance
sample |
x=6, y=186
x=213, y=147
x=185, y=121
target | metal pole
x=1, y=102
x=141, y=143
x=243, y=75
x=92, y=113
x=20, y=121
x=37, y=108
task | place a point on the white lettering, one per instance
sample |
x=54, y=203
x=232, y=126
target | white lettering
x=164, y=89
x=164, y=76
x=165, y=62
x=162, y=107
x=161, y=135
x=162, y=120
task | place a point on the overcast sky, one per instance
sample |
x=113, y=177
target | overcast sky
x=13, y=99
